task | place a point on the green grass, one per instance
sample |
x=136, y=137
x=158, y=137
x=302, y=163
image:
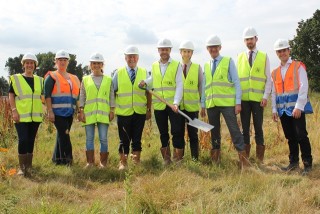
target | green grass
x=190, y=187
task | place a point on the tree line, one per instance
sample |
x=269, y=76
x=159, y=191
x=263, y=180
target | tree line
x=305, y=47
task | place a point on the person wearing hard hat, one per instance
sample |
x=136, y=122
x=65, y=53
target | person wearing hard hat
x=192, y=88
x=25, y=94
x=133, y=106
x=61, y=94
x=290, y=102
x=221, y=94
x=166, y=81
x=254, y=74
x=96, y=108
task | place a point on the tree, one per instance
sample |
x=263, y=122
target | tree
x=4, y=87
x=306, y=48
x=46, y=63
x=14, y=66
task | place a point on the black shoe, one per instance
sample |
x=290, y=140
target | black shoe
x=306, y=170
x=291, y=166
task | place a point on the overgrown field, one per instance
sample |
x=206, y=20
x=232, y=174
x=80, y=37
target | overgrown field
x=190, y=187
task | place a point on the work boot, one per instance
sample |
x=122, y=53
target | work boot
x=307, y=169
x=166, y=155
x=28, y=165
x=215, y=155
x=290, y=167
x=247, y=148
x=22, y=164
x=178, y=154
x=90, y=158
x=103, y=159
x=244, y=161
x=260, y=152
x=136, y=157
x=123, y=161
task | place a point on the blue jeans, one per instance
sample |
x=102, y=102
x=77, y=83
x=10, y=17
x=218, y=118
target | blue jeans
x=103, y=136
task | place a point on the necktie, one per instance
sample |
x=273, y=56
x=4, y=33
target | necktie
x=250, y=58
x=185, y=70
x=132, y=75
x=214, y=66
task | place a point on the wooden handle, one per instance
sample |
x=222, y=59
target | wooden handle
x=161, y=99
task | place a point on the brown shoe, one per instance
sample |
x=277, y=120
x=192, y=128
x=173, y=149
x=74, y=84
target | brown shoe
x=90, y=158
x=247, y=148
x=178, y=154
x=123, y=161
x=244, y=161
x=215, y=155
x=136, y=157
x=103, y=159
x=260, y=152
x=166, y=155
x=23, y=164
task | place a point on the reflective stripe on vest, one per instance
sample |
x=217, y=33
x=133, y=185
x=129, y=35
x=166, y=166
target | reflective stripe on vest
x=287, y=91
x=219, y=91
x=130, y=98
x=164, y=86
x=97, y=106
x=191, y=97
x=28, y=103
x=252, y=80
x=64, y=98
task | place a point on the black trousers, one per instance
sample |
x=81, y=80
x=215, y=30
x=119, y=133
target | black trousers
x=27, y=132
x=253, y=108
x=162, y=117
x=63, y=149
x=296, y=133
x=130, y=129
x=192, y=133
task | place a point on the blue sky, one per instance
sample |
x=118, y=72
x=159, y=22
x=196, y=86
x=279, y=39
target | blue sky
x=83, y=27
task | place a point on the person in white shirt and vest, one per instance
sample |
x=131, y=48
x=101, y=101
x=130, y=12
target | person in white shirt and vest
x=96, y=109
x=166, y=81
x=25, y=93
x=290, y=102
x=192, y=88
x=254, y=74
x=133, y=106
x=221, y=94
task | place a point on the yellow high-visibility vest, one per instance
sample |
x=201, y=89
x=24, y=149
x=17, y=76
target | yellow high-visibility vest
x=252, y=79
x=97, y=106
x=191, y=97
x=219, y=91
x=28, y=103
x=164, y=86
x=129, y=97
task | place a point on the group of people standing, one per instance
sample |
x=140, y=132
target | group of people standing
x=222, y=87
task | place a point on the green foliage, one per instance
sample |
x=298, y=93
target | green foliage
x=46, y=63
x=306, y=47
x=14, y=66
x=4, y=87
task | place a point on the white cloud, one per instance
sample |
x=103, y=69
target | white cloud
x=83, y=27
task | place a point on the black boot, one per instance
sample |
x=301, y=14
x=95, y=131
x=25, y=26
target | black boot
x=290, y=167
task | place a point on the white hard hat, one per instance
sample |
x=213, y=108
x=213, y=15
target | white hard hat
x=29, y=56
x=62, y=54
x=213, y=40
x=186, y=45
x=164, y=43
x=281, y=44
x=96, y=57
x=131, y=50
x=249, y=32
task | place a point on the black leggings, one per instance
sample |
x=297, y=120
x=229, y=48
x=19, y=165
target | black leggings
x=27, y=132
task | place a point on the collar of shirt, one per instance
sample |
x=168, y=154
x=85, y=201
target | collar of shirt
x=129, y=69
x=170, y=59
x=287, y=63
x=255, y=51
